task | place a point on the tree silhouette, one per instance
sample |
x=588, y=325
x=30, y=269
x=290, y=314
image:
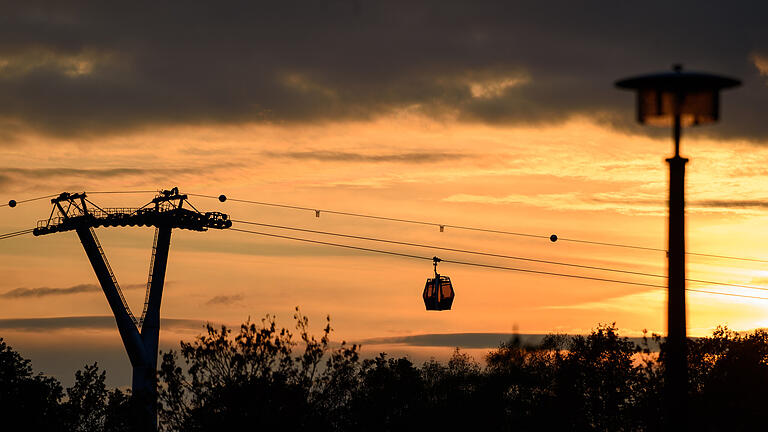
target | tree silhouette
x=263, y=376
x=27, y=401
x=90, y=406
x=391, y=396
x=87, y=400
x=597, y=381
x=729, y=375
x=251, y=379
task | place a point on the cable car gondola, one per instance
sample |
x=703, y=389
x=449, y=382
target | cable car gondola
x=438, y=292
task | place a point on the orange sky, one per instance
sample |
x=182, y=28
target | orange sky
x=576, y=179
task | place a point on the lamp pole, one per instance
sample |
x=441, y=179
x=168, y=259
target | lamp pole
x=676, y=372
x=674, y=98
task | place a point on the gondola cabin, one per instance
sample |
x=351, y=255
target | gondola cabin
x=438, y=291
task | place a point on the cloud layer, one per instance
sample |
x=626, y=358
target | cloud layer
x=466, y=340
x=90, y=67
x=75, y=177
x=336, y=156
x=46, y=291
x=97, y=322
x=225, y=300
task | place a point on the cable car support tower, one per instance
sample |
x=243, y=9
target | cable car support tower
x=74, y=212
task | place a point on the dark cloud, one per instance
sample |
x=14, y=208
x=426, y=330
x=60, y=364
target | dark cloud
x=10, y=176
x=97, y=322
x=33, y=176
x=89, y=67
x=47, y=173
x=45, y=291
x=721, y=203
x=332, y=156
x=637, y=201
x=731, y=203
x=466, y=340
x=225, y=300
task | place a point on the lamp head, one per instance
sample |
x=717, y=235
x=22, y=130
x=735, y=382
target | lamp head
x=694, y=96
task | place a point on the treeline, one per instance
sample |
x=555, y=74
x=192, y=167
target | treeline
x=262, y=377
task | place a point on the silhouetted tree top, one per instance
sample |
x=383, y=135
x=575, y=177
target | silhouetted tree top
x=27, y=401
x=253, y=377
x=263, y=376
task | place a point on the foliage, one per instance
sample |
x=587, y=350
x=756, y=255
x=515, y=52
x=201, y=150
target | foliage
x=263, y=376
x=86, y=400
x=252, y=378
x=90, y=406
x=27, y=401
x=729, y=375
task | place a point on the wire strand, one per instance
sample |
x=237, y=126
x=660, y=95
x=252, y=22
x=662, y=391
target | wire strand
x=30, y=230
x=726, y=294
x=444, y=260
x=421, y=245
x=412, y=221
x=726, y=257
x=435, y=224
x=477, y=229
x=16, y=234
x=8, y=204
x=488, y=265
x=121, y=192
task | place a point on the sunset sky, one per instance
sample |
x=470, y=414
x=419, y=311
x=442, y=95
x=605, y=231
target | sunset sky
x=502, y=116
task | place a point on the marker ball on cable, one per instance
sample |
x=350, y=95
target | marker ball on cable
x=553, y=238
x=12, y=203
x=222, y=198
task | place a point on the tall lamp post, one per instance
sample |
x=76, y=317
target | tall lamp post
x=677, y=98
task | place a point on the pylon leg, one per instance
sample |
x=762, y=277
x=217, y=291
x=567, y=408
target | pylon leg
x=125, y=325
x=150, y=329
x=141, y=347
